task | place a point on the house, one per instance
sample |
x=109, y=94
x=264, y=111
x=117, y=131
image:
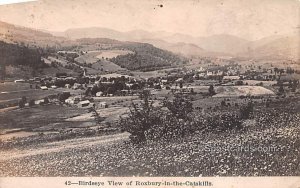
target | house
x=85, y=104
x=68, y=86
x=39, y=102
x=231, y=77
x=19, y=81
x=164, y=82
x=73, y=100
x=209, y=73
x=44, y=88
x=77, y=86
x=103, y=105
x=99, y=94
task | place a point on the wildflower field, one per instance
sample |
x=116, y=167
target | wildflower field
x=267, y=145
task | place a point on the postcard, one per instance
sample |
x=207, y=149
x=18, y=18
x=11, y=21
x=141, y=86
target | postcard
x=149, y=93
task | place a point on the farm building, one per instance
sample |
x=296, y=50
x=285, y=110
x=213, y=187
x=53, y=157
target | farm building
x=231, y=77
x=99, y=94
x=103, y=105
x=73, y=100
x=19, y=81
x=44, y=88
x=68, y=86
x=85, y=104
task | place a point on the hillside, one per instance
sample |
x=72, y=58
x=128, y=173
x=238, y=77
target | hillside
x=175, y=42
x=213, y=46
x=280, y=48
x=11, y=54
x=146, y=57
x=20, y=35
x=185, y=49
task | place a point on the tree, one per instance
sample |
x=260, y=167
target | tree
x=180, y=85
x=31, y=102
x=276, y=70
x=281, y=89
x=140, y=119
x=63, y=96
x=46, y=100
x=211, y=90
x=180, y=106
x=246, y=111
x=22, y=102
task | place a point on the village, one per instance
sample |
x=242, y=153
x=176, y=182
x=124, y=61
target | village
x=84, y=89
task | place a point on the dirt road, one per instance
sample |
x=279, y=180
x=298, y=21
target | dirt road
x=63, y=145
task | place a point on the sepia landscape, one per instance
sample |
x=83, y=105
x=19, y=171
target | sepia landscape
x=150, y=88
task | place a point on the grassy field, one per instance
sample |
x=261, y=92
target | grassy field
x=233, y=91
x=112, y=53
x=274, y=145
x=99, y=61
x=11, y=93
x=47, y=116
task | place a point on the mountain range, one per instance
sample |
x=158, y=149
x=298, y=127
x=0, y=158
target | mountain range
x=277, y=46
x=272, y=47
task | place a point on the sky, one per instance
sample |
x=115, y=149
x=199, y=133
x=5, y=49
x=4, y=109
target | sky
x=249, y=19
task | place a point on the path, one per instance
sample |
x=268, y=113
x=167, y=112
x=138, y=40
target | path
x=62, y=146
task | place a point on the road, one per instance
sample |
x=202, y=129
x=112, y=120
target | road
x=60, y=146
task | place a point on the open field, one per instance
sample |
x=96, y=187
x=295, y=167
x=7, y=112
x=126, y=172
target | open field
x=12, y=86
x=47, y=116
x=94, y=56
x=228, y=91
x=59, y=60
x=100, y=59
x=112, y=53
x=255, y=82
x=107, y=66
x=11, y=93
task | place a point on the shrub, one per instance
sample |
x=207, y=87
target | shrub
x=31, y=102
x=246, y=111
x=180, y=107
x=46, y=100
x=22, y=102
x=141, y=119
x=211, y=90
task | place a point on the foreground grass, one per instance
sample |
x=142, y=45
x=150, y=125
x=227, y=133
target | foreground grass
x=268, y=145
x=198, y=155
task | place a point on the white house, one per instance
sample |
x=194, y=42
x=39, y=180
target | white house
x=231, y=77
x=85, y=104
x=103, y=105
x=99, y=94
x=44, y=88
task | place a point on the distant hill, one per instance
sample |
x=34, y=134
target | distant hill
x=20, y=35
x=273, y=47
x=185, y=49
x=178, y=43
x=215, y=45
x=280, y=47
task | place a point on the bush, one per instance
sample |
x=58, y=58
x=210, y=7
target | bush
x=180, y=107
x=22, y=102
x=46, y=100
x=141, y=119
x=246, y=111
x=31, y=102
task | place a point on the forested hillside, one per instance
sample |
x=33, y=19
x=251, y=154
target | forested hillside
x=146, y=57
x=11, y=54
